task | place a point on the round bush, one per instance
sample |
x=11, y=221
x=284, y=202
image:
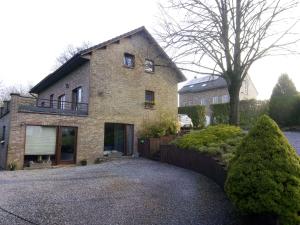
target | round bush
x=264, y=175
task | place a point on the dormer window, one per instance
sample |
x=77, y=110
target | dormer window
x=129, y=60
x=149, y=66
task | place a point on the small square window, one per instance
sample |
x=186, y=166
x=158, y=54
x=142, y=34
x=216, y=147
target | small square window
x=128, y=60
x=149, y=66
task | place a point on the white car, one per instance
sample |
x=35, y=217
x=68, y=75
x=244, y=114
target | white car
x=185, y=121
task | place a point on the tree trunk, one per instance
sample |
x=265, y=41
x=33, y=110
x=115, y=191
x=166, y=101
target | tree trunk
x=234, y=111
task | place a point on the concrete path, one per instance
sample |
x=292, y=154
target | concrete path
x=122, y=192
x=294, y=139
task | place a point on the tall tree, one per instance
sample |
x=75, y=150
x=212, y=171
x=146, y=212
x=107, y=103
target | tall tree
x=284, y=87
x=283, y=102
x=69, y=52
x=5, y=91
x=225, y=37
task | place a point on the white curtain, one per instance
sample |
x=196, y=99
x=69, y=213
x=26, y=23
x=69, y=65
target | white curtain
x=40, y=140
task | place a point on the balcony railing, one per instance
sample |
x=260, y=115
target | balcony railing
x=55, y=107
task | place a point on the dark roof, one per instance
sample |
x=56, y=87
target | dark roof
x=78, y=60
x=203, y=84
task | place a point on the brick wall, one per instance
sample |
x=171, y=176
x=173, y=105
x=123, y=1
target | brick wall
x=116, y=95
x=4, y=121
x=77, y=78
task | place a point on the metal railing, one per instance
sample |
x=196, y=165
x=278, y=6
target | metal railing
x=48, y=106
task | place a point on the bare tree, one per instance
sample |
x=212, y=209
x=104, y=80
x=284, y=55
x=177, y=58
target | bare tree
x=5, y=91
x=225, y=37
x=69, y=52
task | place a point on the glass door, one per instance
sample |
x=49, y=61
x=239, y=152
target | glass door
x=67, y=145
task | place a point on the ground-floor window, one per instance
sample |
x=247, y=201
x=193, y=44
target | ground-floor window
x=50, y=144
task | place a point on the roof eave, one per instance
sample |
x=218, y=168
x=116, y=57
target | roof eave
x=67, y=67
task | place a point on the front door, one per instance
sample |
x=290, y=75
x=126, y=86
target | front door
x=66, y=149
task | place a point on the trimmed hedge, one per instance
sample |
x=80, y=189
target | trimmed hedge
x=290, y=116
x=264, y=175
x=250, y=110
x=196, y=113
x=218, y=141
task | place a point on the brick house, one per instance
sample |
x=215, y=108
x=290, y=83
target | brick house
x=210, y=90
x=96, y=101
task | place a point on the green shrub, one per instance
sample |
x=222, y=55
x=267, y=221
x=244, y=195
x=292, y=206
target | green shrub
x=196, y=113
x=290, y=115
x=285, y=96
x=165, y=125
x=264, y=175
x=295, y=114
x=83, y=162
x=250, y=110
x=12, y=166
x=219, y=141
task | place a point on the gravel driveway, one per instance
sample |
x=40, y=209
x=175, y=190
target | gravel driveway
x=127, y=191
x=294, y=139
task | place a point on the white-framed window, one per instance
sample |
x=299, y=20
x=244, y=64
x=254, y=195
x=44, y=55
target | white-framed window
x=61, y=102
x=225, y=98
x=149, y=66
x=215, y=100
x=203, y=101
x=40, y=140
x=76, y=98
x=246, y=87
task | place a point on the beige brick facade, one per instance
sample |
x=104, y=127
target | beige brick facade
x=114, y=93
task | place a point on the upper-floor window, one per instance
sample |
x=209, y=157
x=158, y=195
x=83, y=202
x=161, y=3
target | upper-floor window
x=149, y=98
x=51, y=100
x=128, y=60
x=3, y=134
x=215, y=100
x=149, y=65
x=202, y=101
x=61, y=102
x=225, y=98
x=246, y=86
x=76, y=98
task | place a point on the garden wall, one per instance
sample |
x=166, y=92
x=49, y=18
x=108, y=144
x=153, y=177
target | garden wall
x=195, y=161
x=147, y=147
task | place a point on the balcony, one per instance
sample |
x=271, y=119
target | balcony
x=46, y=106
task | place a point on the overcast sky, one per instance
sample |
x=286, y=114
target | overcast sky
x=35, y=32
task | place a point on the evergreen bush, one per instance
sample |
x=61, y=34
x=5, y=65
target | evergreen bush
x=220, y=141
x=264, y=175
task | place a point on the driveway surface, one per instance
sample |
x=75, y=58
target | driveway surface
x=294, y=139
x=121, y=192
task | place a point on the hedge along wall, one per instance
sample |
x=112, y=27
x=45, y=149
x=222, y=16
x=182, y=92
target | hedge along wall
x=196, y=113
x=285, y=110
x=250, y=110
